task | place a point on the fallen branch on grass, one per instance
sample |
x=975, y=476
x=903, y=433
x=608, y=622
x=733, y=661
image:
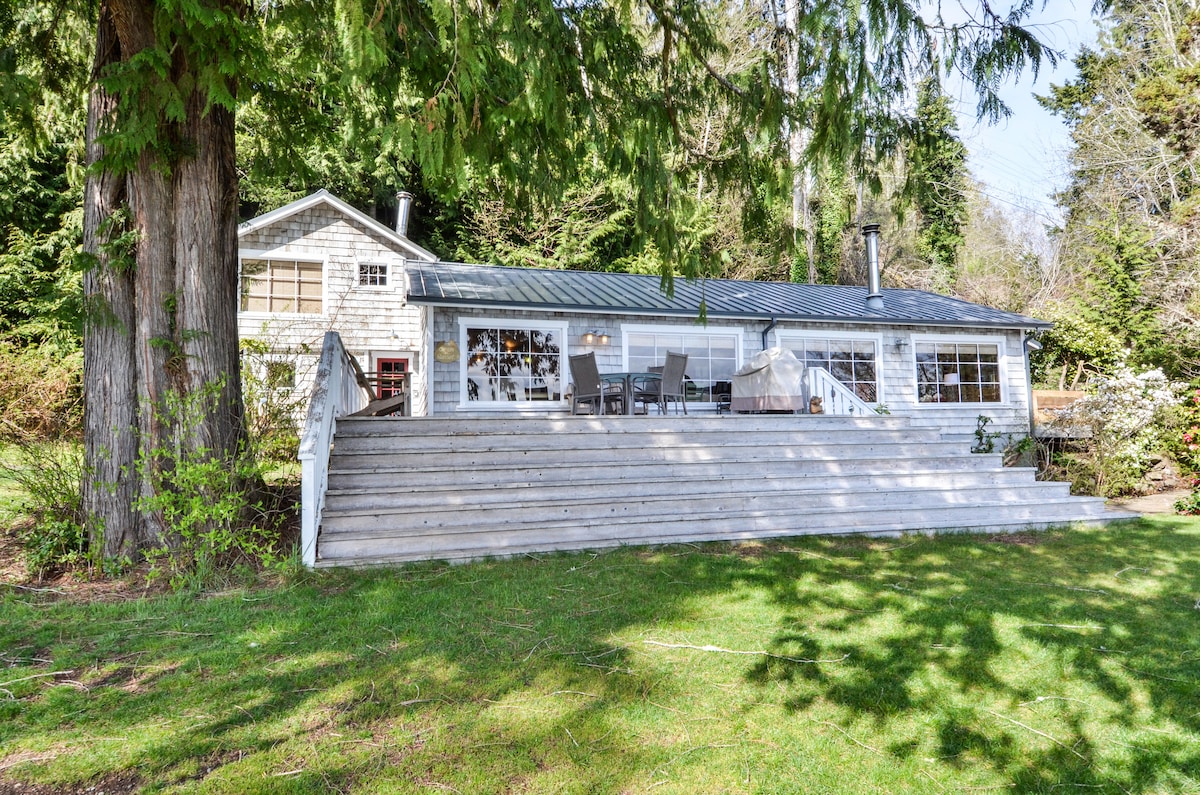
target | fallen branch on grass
x=848, y=737
x=1057, y=742
x=23, y=760
x=36, y=676
x=719, y=650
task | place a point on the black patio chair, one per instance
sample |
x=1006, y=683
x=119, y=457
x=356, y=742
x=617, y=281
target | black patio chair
x=590, y=389
x=666, y=388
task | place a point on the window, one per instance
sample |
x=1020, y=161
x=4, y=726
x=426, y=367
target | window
x=958, y=372
x=372, y=274
x=850, y=360
x=508, y=362
x=281, y=285
x=712, y=357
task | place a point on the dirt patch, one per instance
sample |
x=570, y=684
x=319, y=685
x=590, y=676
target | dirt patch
x=115, y=784
x=12, y=556
x=1160, y=503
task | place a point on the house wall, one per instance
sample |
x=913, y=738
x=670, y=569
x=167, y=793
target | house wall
x=373, y=322
x=896, y=346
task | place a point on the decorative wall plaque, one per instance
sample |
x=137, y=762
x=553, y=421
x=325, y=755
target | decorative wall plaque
x=446, y=352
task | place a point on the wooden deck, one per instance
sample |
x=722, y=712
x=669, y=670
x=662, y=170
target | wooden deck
x=463, y=488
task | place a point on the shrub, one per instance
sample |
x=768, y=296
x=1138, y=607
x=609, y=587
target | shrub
x=1190, y=505
x=1183, y=437
x=273, y=407
x=41, y=394
x=214, y=507
x=50, y=478
x=1126, y=413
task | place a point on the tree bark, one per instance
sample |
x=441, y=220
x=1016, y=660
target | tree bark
x=162, y=319
x=109, y=372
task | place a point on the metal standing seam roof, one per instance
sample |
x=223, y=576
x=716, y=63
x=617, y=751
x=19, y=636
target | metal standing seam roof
x=457, y=284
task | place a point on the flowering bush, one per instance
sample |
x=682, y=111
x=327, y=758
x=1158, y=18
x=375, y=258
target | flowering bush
x=1126, y=413
x=1185, y=447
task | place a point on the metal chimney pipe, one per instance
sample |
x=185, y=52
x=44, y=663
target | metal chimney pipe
x=870, y=233
x=404, y=201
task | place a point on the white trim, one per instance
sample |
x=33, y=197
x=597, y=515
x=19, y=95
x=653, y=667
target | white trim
x=325, y=197
x=530, y=324
x=426, y=365
x=817, y=334
x=374, y=355
x=1001, y=344
x=294, y=256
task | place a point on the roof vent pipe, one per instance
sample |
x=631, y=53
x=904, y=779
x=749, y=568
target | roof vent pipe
x=404, y=201
x=870, y=233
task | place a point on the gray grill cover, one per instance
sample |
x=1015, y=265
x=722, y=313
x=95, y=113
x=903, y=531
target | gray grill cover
x=771, y=381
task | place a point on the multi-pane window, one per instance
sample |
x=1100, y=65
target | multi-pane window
x=851, y=361
x=957, y=372
x=511, y=363
x=372, y=274
x=712, y=358
x=281, y=285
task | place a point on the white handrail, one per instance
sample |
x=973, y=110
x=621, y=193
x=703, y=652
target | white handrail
x=335, y=393
x=837, y=399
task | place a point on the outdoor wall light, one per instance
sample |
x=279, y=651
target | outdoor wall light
x=899, y=343
x=595, y=338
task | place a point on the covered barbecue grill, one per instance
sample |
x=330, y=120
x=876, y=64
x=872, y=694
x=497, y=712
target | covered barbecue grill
x=772, y=380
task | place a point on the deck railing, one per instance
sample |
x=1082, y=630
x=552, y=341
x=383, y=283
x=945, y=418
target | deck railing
x=340, y=389
x=837, y=399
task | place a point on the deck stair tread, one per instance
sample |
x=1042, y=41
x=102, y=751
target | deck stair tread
x=463, y=488
x=601, y=503
x=724, y=482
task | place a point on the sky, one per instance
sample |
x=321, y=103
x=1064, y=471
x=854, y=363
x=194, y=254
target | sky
x=1022, y=160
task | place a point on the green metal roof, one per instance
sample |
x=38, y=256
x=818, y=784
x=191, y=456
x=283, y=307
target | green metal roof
x=456, y=284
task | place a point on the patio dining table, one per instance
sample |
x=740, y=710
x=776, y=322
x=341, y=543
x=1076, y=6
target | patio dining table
x=627, y=380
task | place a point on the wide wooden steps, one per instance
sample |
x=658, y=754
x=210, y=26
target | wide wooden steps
x=403, y=489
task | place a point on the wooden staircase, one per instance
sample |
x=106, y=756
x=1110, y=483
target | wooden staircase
x=462, y=488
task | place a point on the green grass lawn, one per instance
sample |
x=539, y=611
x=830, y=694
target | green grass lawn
x=1066, y=664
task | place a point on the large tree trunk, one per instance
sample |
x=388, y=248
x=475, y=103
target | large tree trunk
x=162, y=318
x=109, y=372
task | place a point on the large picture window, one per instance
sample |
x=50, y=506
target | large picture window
x=712, y=357
x=281, y=285
x=853, y=361
x=506, y=362
x=958, y=372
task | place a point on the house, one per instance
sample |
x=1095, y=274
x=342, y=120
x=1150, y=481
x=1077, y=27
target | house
x=478, y=339
x=319, y=264
x=489, y=462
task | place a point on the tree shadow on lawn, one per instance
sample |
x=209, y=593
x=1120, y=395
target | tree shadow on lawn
x=474, y=678
x=1056, y=665
x=1051, y=665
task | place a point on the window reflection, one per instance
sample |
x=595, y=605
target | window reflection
x=507, y=364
